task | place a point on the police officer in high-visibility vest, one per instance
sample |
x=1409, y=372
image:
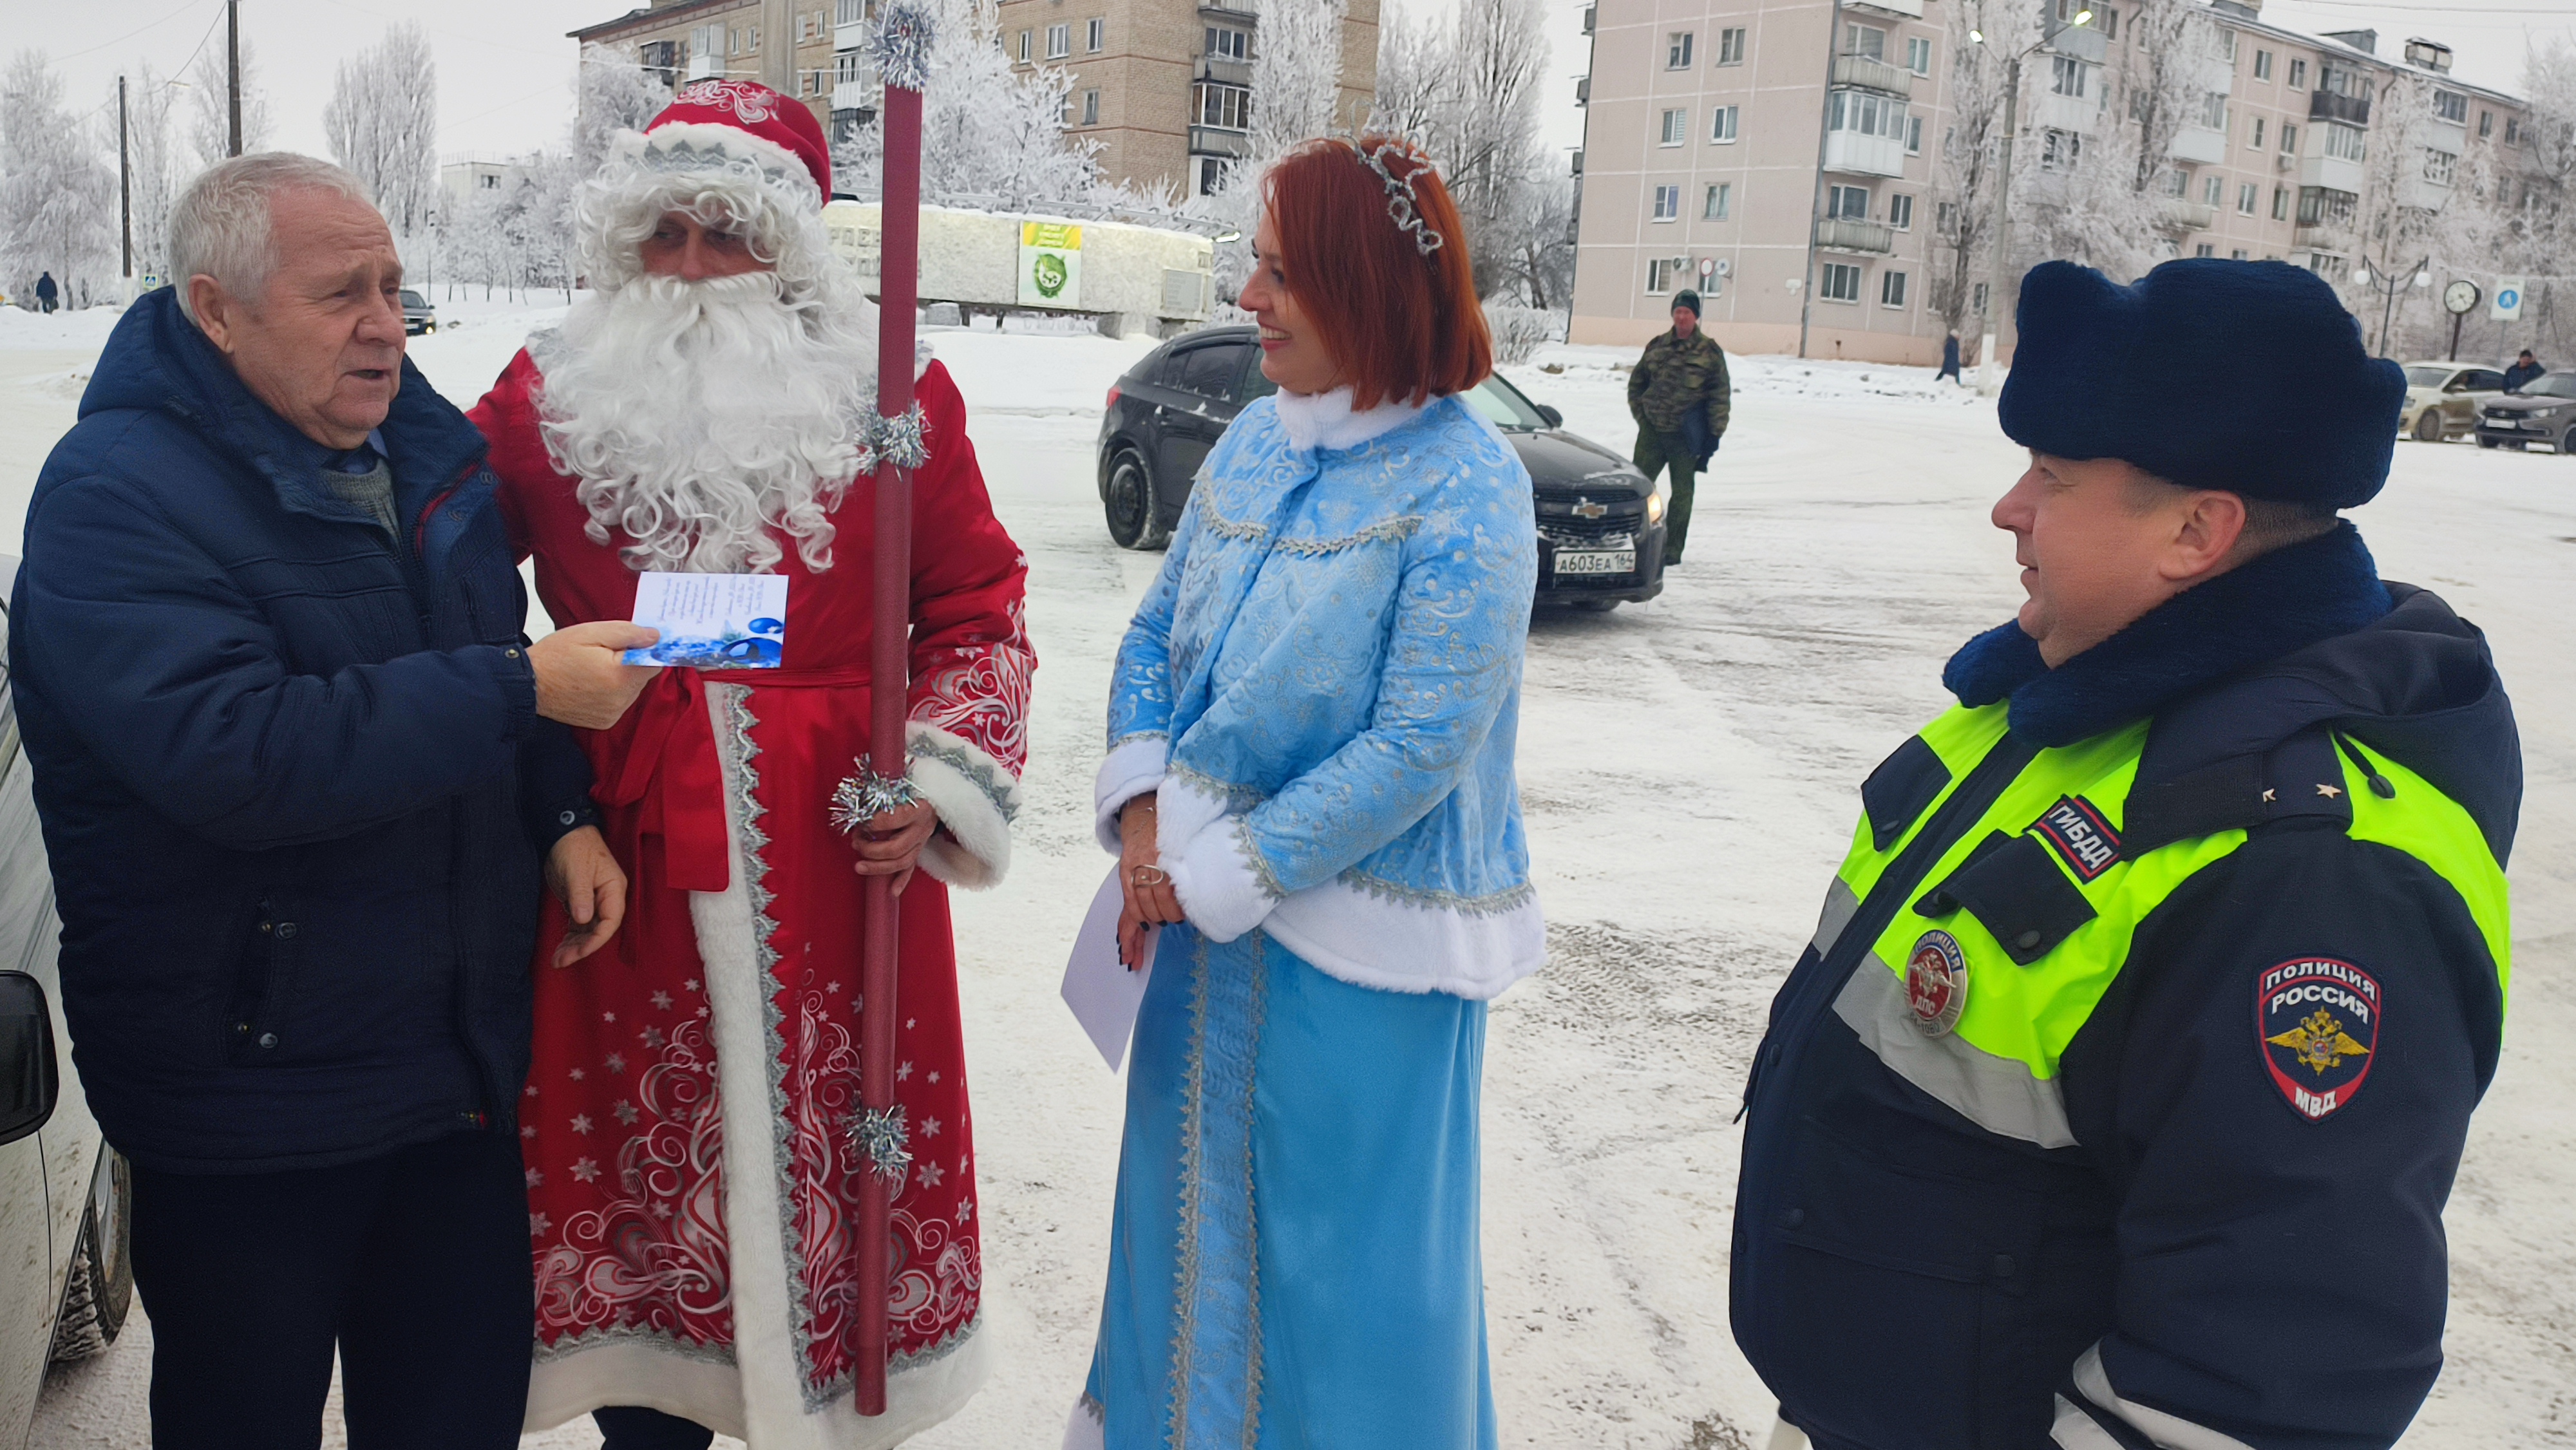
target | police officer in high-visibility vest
x=2116, y=1101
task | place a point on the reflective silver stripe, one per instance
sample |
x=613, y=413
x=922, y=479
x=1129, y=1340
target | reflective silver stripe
x=2170, y=1432
x=2076, y=1430
x=1995, y=1093
x=1841, y=904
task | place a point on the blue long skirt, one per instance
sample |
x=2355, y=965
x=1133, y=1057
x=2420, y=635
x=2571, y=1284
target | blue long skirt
x=1294, y=1263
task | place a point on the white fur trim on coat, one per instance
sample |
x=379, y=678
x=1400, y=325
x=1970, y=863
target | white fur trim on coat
x=778, y=165
x=976, y=797
x=1327, y=420
x=1218, y=880
x=1131, y=770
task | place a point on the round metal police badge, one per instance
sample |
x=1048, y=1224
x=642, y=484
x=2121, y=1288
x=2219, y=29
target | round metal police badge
x=1936, y=983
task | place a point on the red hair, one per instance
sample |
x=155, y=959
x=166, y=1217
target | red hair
x=1401, y=324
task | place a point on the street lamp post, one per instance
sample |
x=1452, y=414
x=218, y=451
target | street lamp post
x=1989, y=370
x=2388, y=286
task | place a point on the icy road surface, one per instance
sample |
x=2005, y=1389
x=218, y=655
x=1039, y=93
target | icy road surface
x=1690, y=769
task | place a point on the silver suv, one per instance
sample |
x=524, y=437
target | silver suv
x=66, y=1279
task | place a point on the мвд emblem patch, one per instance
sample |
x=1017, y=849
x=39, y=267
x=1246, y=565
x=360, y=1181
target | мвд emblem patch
x=1936, y=983
x=2316, y=1022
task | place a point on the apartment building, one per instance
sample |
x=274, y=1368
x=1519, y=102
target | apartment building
x=1165, y=86
x=813, y=51
x=1781, y=157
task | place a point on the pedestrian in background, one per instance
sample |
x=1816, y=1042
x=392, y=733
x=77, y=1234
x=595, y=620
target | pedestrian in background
x=2524, y=369
x=302, y=780
x=1678, y=394
x=46, y=293
x=2129, y=1068
x=1950, y=360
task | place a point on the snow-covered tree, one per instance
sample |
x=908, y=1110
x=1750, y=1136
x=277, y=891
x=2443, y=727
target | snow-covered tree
x=617, y=94
x=157, y=168
x=992, y=133
x=209, y=119
x=382, y=121
x=1967, y=168
x=57, y=188
x=1296, y=74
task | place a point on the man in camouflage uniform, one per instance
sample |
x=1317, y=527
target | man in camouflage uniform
x=1678, y=393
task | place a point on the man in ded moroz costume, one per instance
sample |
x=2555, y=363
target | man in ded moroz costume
x=693, y=1190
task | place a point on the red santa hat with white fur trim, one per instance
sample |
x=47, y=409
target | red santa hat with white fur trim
x=741, y=119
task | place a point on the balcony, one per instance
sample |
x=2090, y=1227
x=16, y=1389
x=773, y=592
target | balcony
x=2080, y=41
x=1234, y=12
x=1583, y=91
x=2198, y=145
x=1857, y=154
x=2182, y=217
x=846, y=38
x=2328, y=106
x=1850, y=234
x=2053, y=112
x=1901, y=9
x=855, y=95
x=1871, y=74
x=1216, y=68
x=2322, y=237
x=703, y=66
x=1218, y=141
x=2331, y=172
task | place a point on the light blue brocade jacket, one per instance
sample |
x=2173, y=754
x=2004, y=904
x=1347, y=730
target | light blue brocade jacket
x=1324, y=684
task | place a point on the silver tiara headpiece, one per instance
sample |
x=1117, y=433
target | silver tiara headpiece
x=1401, y=200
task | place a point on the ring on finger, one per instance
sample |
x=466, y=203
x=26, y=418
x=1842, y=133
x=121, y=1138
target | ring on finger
x=1150, y=875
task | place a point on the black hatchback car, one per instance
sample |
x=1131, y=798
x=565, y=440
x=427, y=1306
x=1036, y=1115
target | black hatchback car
x=2544, y=411
x=1600, y=523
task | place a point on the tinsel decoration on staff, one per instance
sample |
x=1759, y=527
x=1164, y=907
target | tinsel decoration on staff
x=879, y=1137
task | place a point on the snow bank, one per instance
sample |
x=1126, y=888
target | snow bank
x=83, y=331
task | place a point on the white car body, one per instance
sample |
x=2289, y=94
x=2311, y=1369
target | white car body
x=50, y=1180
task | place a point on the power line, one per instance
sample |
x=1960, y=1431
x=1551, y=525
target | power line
x=129, y=35
x=2439, y=13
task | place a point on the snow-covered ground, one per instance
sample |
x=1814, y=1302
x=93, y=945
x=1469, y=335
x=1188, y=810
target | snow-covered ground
x=1689, y=768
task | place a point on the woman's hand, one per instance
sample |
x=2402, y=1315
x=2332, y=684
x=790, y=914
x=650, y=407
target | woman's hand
x=1150, y=899
x=889, y=843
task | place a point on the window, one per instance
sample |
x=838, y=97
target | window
x=1900, y=212
x=1661, y=272
x=1211, y=172
x=1091, y=108
x=2060, y=150
x=2298, y=75
x=2440, y=166
x=2247, y=196
x=2254, y=139
x=708, y=41
x=2280, y=203
x=1730, y=46
x=1059, y=41
x=2326, y=264
x=1980, y=302
x=1229, y=107
x=2344, y=141
x=2486, y=124
x=1866, y=114
x=1720, y=196
x=1677, y=50
x=2213, y=110
x=1918, y=55
x=2107, y=20
x=2237, y=256
x=1676, y=127
x=1229, y=44
x=2227, y=44
x=2066, y=75
x=1847, y=203
x=1914, y=135
x=1668, y=203
x=1095, y=34
x=1891, y=289
x=1721, y=125
x=2513, y=130
x=2343, y=80
x=2212, y=189
x=2262, y=65
x=1866, y=40
x=2320, y=207
x=1841, y=283
x=2451, y=106
x=1025, y=37
x=2205, y=249
x=2174, y=182
x=2289, y=139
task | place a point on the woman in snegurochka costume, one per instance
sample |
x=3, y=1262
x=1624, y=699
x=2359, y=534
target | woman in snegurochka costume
x=1310, y=787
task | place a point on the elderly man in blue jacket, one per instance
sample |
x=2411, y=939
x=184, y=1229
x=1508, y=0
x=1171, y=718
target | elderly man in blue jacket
x=301, y=775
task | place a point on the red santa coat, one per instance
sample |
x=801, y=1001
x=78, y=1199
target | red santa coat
x=692, y=1191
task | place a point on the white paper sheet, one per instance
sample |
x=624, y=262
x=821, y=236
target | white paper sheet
x=1103, y=994
x=712, y=621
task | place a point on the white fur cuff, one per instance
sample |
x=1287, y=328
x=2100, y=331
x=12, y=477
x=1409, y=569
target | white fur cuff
x=1218, y=880
x=1135, y=767
x=976, y=799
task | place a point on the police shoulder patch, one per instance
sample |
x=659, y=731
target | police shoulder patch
x=2081, y=835
x=2316, y=1023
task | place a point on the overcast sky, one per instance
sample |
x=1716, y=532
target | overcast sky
x=504, y=66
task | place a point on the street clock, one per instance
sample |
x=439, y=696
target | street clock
x=2460, y=296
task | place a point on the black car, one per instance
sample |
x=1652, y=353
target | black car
x=2544, y=411
x=418, y=315
x=1600, y=523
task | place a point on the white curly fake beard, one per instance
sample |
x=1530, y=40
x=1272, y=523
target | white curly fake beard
x=707, y=420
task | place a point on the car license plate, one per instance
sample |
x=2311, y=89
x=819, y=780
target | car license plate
x=1596, y=561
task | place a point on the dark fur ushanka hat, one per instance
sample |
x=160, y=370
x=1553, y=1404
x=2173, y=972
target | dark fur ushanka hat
x=2244, y=376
